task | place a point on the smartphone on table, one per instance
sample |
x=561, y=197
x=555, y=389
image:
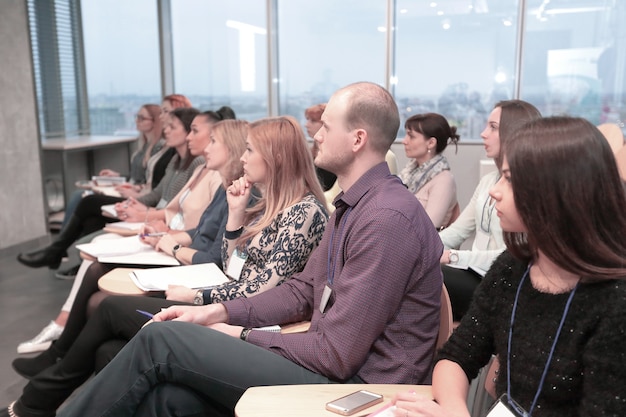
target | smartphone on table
x=354, y=402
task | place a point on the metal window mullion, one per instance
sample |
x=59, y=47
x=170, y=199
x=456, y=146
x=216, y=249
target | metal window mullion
x=80, y=74
x=166, y=47
x=273, y=75
x=519, y=48
x=390, y=50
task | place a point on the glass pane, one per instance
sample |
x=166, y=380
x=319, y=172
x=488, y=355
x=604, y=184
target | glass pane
x=220, y=54
x=122, y=62
x=575, y=58
x=456, y=58
x=325, y=45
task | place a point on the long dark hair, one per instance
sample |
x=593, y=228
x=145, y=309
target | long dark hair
x=513, y=114
x=186, y=116
x=433, y=125
x=569, y=195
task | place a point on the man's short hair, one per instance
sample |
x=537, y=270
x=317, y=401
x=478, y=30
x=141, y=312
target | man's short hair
x=371, y=107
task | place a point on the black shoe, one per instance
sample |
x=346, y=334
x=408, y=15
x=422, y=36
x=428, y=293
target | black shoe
x=69, y=273
x=17, y=409
x=29, y=367
x=48, y=256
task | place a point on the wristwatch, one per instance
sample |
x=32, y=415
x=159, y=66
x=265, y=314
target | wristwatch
x=198, y=299
x=175, y=249
x=244, y=334
x=454, y=257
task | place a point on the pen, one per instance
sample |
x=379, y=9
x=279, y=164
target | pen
x=145, y=313
x=152, y=234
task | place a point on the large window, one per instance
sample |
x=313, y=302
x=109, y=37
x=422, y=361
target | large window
x=220, y=54
x=327, y=44
x=58, y=67
x=456, y=58
x=121, y=40
x=575, y=58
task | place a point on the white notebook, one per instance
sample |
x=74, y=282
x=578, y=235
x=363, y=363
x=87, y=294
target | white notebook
x=126, y=250
x=191, y=276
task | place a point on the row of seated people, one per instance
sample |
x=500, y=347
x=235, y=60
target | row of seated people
x=426, y=139
x=419, y=145
x=371, y=291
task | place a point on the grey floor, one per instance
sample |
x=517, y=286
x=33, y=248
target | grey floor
x=29, y=299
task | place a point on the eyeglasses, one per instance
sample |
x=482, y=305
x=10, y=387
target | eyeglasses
x=141, y=118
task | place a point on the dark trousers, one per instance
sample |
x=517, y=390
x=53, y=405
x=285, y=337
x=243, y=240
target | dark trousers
x=164, y=358
x=460, y=284
x=87, y=345
x=90, y=215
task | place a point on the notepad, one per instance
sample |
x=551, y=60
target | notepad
x=127, y=251
x=106, y=190
x=133, y=226
x=104, y=181
x=190, y=276
x=113, y=247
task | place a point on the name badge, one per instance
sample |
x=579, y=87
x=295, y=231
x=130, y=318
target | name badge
x=325, y=297
x=502, y=408
x=235, y=265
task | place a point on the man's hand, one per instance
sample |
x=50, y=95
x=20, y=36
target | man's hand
x=234, y=331
x=203, y=315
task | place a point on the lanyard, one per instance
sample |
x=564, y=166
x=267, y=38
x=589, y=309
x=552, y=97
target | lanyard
x=508, y=354
x=332, y=263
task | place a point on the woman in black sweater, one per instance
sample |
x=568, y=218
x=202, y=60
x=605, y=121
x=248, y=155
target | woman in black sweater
x=552, y=307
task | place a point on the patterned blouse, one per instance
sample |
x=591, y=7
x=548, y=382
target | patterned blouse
x=277, y=252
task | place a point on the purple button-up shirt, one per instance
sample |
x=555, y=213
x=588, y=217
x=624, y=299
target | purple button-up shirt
x=382, y=319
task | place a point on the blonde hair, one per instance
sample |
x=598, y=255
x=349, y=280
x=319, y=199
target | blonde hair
x=290, y=172
x=155, y=133
x=233, y=134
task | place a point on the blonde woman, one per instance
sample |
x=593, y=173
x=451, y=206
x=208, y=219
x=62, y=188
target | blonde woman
x=263, y=246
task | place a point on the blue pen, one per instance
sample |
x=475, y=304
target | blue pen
x=145, y=313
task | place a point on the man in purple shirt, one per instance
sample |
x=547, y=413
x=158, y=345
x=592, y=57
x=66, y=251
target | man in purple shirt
x=371, y=290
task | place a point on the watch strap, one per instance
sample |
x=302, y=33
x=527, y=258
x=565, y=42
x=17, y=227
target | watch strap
x=244, y=334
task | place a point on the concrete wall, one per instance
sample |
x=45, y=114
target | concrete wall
x=22, y=214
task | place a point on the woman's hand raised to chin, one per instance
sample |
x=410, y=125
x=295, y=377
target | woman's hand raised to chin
x=237, y=195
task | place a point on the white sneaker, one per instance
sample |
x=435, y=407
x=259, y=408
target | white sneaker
x=43, y=340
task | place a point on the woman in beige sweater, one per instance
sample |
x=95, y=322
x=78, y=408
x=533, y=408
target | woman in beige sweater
x=427, y=175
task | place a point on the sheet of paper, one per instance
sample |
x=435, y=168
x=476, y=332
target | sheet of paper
x=110, y=191
x=191, y=276
x=147, y=257
x=126, y=225
x=114, y=247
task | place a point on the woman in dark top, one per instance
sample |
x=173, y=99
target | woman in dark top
x=552, y=307
x=88, y=217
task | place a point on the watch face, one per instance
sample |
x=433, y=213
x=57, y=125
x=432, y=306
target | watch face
x=454, y=257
